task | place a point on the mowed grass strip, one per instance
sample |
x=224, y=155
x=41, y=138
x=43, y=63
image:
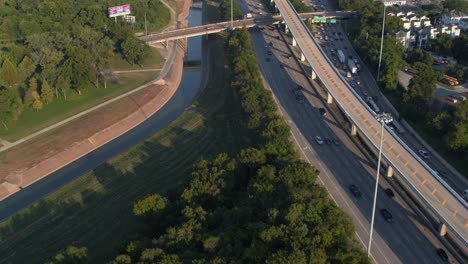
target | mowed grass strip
x=32, y=121
x=95, y=210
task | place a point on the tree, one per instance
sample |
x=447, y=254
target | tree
x=8, y=73
x=422, y=85
x=458, y=139
x=459, y=5
x=37, y=105
x=122, y=259
x=10, y=106
x=150, y=206
x=77, y=67
x=31, y=93
x=72, y=255
x=62, y=85
x=134, y=50
x=25, y=68
x=47, y=94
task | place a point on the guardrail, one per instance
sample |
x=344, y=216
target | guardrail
x=447, y=187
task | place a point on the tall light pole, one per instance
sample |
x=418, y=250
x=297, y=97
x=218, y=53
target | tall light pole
x=232, y=16
x=381, y=42
x=382, y=118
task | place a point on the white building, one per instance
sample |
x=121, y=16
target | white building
x=453, y=17
x=463, y=24
x=393, y=2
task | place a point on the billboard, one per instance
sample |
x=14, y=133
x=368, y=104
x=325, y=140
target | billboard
x=119, y=10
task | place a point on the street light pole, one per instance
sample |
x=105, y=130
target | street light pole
x=382, y=118
x=232, y=16
x=381, y=42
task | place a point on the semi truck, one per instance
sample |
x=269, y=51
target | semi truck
x=352, y=66
x=341, y=56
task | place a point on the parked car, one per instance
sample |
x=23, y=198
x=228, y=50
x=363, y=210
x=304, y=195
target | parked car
x=442, y=254
x=328, y=141
x=319, y=140
x=355, y=191
x=387, y=215
x=336, y=142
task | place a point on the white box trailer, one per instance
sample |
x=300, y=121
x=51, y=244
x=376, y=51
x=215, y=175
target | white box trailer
x=352, y=66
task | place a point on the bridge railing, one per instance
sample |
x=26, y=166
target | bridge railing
x=430, y=170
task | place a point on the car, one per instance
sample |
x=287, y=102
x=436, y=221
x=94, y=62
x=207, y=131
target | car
x=281, y=66
x=269, y=52
x=355, y=60
x=270, y=44
x=423, y=154
x=300, y=98
x=442, y=254
x=358, y=82
x=336, y=142
x=352, y=84
x=350, y=57
x=328, y=141
x=322, y=111
x=277, y=37
x=389, y=192
x=337, y=65
x=319, y=140
x=344, y=67
x=386, y=215
x=355, y=191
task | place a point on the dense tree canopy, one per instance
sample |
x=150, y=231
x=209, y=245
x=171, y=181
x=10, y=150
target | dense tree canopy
x=67, y=44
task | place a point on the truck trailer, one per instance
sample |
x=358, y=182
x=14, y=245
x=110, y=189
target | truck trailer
x=341, y=56
x=352, y=66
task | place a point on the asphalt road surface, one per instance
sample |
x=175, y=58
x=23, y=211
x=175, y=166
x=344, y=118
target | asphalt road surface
x=405, y=240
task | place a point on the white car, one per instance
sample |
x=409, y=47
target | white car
x=423, y=154
x=319, y=140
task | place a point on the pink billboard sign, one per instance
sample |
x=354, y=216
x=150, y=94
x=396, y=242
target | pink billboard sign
x=119, y=10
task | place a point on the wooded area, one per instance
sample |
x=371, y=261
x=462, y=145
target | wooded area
x=263, y=205
x=51, y=48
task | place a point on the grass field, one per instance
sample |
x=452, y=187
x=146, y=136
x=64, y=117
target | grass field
x=96, y=209
x=31, y=121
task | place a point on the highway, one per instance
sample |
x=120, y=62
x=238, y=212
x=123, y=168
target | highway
x=405, y=240
x=447, y=207
x=221, y=26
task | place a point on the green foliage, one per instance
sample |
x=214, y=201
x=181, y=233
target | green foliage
x=458, y=139
x=393, y=62
x=422, y=85
x=225, y=10
x=8, y=73
x=10, y=106
x=134, y=50
x=300, y=6
x=459, y=5
x=419, y=55
x=150, y=207
x=47, y=94
x=72, y=255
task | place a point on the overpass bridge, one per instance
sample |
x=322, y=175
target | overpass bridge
x=441, y=200
x=221, y=26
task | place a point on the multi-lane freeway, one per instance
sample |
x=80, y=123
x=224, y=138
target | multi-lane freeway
x=448, y=208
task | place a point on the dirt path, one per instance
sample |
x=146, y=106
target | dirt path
x=47, y=151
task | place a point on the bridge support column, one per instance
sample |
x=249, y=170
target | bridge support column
x=294, y=43
x=302, y=57
x=286, y=28
x=389, y=171
x=353, y=130
x=329, y=98
x=313, y=76
x=442, y=229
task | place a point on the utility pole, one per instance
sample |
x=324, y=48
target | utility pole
x=382, y=118
x=381, y=43
x=232, y=17
x=146, y=28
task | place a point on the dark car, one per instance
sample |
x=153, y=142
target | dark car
x=336, y=142
x=328, y=141
x=322, y=111
x=277, y=37
x=281, y=66
x=387, y=215
x=442, y=254
x=350, y=57
x=389, y=192
x=355, y=191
